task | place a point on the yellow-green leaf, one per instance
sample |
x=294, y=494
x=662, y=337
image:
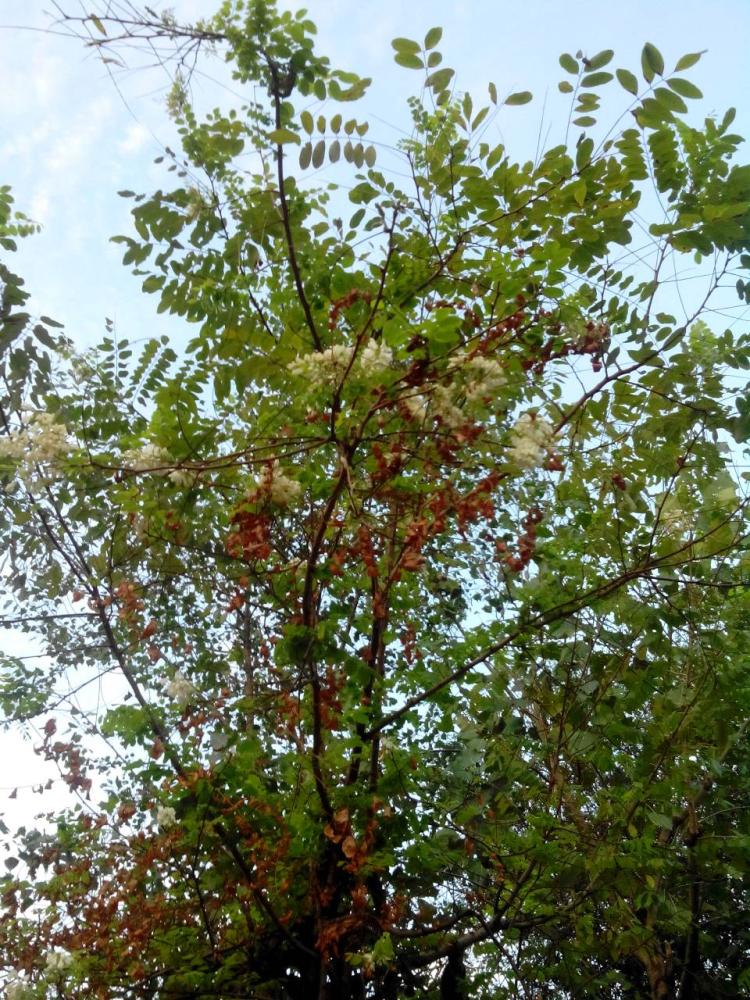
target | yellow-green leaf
x=569, y=64
x=688, y=60
x=596, y=79
x=318, y=154
x=432, y=37
x=684, y=88
x=599, y=60
x=627, y=80
x=280, y=136
x=652, y=62
x=409, y=60
x=440, y=79
x=520, y=97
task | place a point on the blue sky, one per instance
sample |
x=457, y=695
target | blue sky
x=70, y=139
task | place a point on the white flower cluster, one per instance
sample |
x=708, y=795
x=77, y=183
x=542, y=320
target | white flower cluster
x=323, y=368
x=58, y=962
x=180, y=689
x=416, y=405
x=282, y=490
x=328, y=368
x=442, y=403
x=674, y=520
x=181, y=477
x=41, y=442
x=483, y=377
x=376, y=358
x=147, y=458
x=532, y=440
x=165, y=816
x=153, y=458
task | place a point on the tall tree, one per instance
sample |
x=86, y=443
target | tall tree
x=416, y=586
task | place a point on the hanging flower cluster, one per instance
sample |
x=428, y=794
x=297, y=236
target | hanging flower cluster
x=483, y=378
x=153, y=458
x=42, y=441
x=165, y=816
x=323, y=368
x=532, y=439
x=278, y=486
x=58, y=962
x=376, y=358
x=328, y=368
x=180, y=689
x=147, y=458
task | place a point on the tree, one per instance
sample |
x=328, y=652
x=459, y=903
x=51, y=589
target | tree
x=417, y=583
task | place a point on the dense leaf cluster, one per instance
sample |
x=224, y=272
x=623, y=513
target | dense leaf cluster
x=398, y=627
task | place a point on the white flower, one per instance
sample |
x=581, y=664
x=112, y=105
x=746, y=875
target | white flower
x=147, y=458
x=40, y=442
x=328, y=368
x=58, y=962
x=181, y=477
x=442, y=403
x=483, y=377
x=532, y=438
x=416, y=405
x=180, y=689
x=323, y=368
x=674, y=519
x=166, y=816
x=282, y=490
x=375, y=358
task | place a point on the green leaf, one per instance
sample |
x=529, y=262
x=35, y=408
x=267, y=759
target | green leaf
x=306, y=120
x=627, y=80
x=336, y=124
x=579, y=191
x=440, y=79
x=596, y=79
x=688, y=60
x=334, y=151
x=521, y=97
x=370, y=156
x=684, y=88
x=432, y=37
x=569, y=64
x=599, y=60
x=305, y=155
x=652, y=62
x=584, y=121
x=492, y=90
x=318, y=153
x=565, y=87
x=97, y=24
x=405, y=45
x=408, y=60
x=282, y=136
x=670, y=100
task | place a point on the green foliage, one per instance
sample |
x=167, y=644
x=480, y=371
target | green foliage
x=416, y=586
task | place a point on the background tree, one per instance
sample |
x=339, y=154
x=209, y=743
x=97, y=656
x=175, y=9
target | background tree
x=416, y=583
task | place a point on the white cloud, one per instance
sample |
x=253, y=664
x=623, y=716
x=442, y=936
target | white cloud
x=81, y=137
x=136, y=136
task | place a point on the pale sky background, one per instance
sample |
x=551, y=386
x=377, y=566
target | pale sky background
x=69, y=140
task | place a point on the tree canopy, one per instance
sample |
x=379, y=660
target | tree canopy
x=397, y=625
